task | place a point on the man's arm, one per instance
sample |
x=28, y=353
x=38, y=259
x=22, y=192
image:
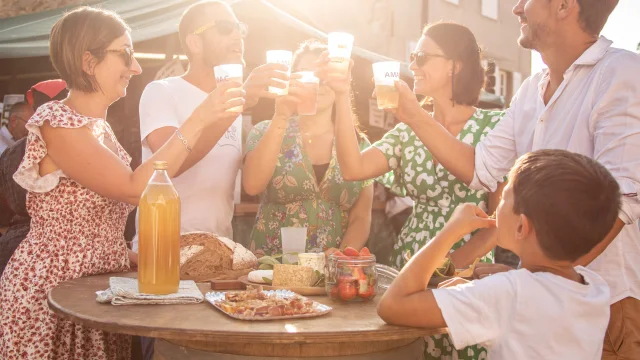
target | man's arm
x=616, y=139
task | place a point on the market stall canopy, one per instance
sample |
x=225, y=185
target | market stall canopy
x=28, y=35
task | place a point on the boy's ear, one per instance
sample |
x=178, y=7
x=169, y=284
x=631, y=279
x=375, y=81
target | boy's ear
x=524, y=227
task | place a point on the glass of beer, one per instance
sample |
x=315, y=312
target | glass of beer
x=340, y=46
x=283, y=57
x=385, y=75
x=308, y=104
x=229, y=72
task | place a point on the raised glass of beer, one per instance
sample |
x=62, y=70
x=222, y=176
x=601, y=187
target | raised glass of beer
x=229, y=72
x=283, y=57
x=340, y=46
x=385, y=75
x=308, y=104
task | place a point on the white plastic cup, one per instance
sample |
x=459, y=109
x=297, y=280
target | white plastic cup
x=283, y=57
x=309, y=86
x=294, y=240
x=340, y=46
x=385, y=74
x=229, y=72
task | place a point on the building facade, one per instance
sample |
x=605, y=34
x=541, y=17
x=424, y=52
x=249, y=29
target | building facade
x=392, y=28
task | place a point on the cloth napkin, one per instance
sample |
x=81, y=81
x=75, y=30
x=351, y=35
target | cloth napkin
x=124, y=291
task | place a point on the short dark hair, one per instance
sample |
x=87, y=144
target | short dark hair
x=594, y=14
x=83, y=29
x=19, y=107
x=571, y=200
x=459, y=44
x=315, y=47
x=192, y=19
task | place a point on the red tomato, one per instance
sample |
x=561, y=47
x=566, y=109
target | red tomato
x=365, y=252
x=349, y=251
x=338, y=254
x=348, y=291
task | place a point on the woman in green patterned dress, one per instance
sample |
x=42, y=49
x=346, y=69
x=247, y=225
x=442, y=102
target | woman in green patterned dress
x=447, y=69
x=291, y=162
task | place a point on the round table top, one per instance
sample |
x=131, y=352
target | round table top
x=75, y=300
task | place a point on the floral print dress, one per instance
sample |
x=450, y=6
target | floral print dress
x=436, y=193
x=74, y=232
x=295, y=198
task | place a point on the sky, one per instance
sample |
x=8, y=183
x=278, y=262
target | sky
x=623, y=28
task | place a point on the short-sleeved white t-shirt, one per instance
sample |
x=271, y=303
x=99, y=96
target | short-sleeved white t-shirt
x=207, y=189
x=524, y=315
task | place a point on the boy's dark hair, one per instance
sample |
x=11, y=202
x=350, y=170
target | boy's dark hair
x=571, y=200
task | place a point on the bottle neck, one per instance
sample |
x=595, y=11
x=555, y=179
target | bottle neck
x=160, y=177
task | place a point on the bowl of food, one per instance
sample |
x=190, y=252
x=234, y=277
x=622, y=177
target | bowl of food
x=351, y=275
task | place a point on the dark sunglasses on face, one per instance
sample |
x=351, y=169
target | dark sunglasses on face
x=224, y=28
x=125, y=54
x=422, y=57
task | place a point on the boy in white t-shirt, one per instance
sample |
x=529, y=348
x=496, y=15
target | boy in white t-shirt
x=556, y=208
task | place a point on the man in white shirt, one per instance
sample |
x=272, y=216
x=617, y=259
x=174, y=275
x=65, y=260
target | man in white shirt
x=587, y=101
x=210, y=35
x=15, y=130
x=548, y=309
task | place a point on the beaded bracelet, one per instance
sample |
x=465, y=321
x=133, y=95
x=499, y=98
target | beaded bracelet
x=186, y=145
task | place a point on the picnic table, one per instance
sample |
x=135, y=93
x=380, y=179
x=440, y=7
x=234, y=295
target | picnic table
x=351, y=331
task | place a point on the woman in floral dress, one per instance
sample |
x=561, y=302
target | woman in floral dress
x=80, y=188
x=447, y=68
x=291, y=162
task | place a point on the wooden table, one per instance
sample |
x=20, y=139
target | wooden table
x=351, y=331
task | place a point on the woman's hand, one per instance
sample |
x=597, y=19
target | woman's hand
x=215, y=105
x=409, y=109
x=338, y=83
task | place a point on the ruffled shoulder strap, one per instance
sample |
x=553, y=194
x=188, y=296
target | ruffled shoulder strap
x=58, y=115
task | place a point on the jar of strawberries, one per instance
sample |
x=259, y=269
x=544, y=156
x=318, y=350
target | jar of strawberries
x=351, y=275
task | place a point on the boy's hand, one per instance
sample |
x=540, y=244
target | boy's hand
x=467, y=218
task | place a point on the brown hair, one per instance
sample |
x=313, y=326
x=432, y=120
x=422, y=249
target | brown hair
x=594, y=14
x=315, y=47
x=191, y=19
x=571, y=200
x=459, y=44
x=81, y=30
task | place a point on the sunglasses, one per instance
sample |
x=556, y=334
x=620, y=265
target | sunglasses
x=224, y=28
x=422, y=57
x=125, y=54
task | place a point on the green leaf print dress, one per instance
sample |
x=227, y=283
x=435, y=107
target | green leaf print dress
x=436, y=194
x=295, y=198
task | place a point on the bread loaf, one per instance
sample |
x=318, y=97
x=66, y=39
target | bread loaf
x=205, y=256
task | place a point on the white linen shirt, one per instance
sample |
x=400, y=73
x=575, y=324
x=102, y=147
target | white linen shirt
x=594, y=112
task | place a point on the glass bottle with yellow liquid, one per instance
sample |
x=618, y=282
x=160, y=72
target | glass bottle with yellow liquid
x=159, y=235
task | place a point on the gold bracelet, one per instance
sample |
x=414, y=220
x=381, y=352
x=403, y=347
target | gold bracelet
x=181, y=138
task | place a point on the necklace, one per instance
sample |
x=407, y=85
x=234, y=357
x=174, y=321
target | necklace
x=310, y=135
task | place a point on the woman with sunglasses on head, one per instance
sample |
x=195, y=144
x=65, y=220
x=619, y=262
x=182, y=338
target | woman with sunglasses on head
x=291, y=162
x=447, y=69
x=80, y=188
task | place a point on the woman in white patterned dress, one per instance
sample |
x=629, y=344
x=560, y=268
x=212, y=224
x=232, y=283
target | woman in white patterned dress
x=81, y=187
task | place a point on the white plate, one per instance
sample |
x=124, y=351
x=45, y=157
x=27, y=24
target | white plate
x=213, y=297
